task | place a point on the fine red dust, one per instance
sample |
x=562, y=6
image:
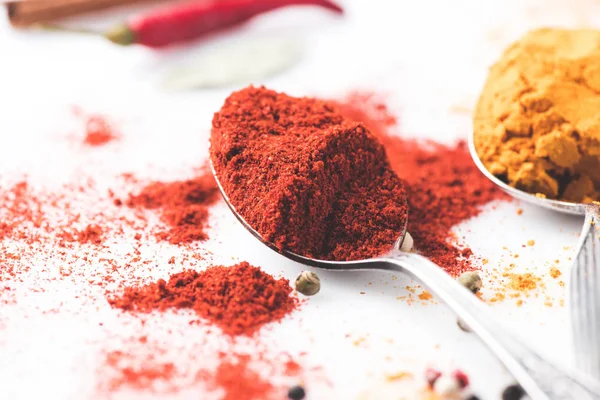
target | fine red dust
x=239, y=299
x=238, y=380
x=140, y=376
x=91, y=234
x=98, y=131
x=184, y=206
x=443, y=185
x=18, y=208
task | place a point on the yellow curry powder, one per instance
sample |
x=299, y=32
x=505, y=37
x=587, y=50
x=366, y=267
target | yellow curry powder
x=537, y=122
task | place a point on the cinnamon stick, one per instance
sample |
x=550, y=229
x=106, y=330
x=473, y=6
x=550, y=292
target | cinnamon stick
x=27, y=12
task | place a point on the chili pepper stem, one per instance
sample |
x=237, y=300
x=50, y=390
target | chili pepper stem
x=120, y=34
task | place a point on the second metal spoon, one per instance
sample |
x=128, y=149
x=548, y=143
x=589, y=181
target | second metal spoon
x=584, y=282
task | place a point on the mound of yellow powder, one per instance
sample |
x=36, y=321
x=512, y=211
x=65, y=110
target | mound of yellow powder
x=537, y=123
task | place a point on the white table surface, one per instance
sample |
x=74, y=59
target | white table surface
x=431, y=57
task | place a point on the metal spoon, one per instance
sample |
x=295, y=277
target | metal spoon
x=541, y=379
x=584, y=286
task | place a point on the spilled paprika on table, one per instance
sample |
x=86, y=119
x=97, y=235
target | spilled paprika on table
x=239, y=299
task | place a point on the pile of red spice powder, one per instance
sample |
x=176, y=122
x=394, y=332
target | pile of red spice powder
x=184, y=206
x=443, y=185
x=296, y=170
x=305, y=177
x=239, y=299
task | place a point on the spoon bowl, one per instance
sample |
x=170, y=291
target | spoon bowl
x=556, y=205
x=542, y=379
x=325, y=264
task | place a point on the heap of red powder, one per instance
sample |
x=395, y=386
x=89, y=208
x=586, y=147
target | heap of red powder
x=239, y=299
x=443, y=185
x=296, y=170
x=306, y=178
x=183, y=205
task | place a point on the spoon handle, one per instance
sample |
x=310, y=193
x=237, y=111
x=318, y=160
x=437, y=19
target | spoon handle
x=541, y=379
x=584, y=295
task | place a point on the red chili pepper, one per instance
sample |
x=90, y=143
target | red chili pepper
x=193, y=20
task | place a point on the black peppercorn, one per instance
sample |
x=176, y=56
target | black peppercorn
x=472, y=397
x=296, y=393
x=513, y=392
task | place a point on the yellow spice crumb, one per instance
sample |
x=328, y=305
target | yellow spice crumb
x=498, y=297
x=523, y=282
x=425, y=295
x=399, y=376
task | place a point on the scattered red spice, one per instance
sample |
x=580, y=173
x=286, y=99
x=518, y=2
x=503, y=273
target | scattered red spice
x=25, y=221
x=98, y=131
x=238, y=380
x=184, y=206
x=68, y=223
x=18, y=207
x=239, y=299
x=306, y=178
x=443, y=185
x=91, y=234
x=261, y=372
x=141, y=376
x=292, y=367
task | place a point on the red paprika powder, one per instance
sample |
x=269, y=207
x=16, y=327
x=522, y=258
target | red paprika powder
x=98, y=131
x=305, y=177
x=183, y=205
x=239, y=299
x=237, y=380
x=443, y=185
x=142, y=375
x=91, y=234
